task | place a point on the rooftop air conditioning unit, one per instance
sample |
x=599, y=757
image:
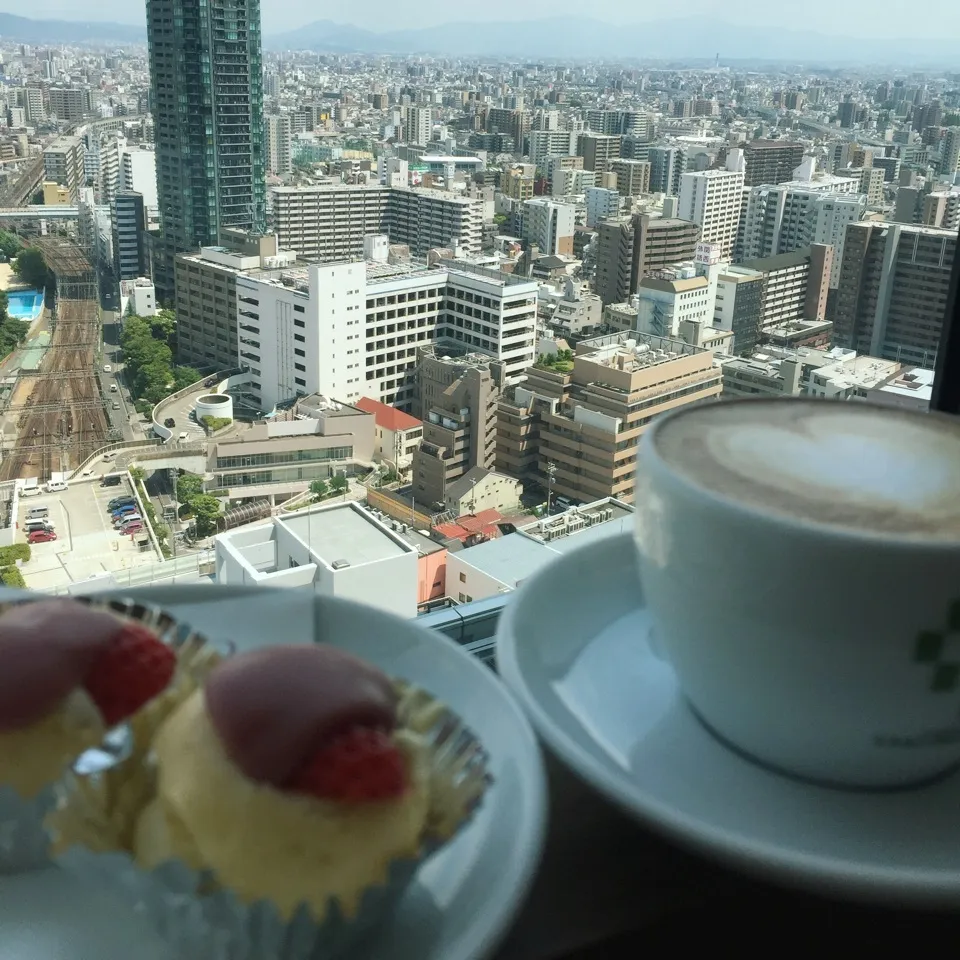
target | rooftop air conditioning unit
x=340, y=564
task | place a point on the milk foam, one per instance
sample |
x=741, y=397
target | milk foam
x=846, y=464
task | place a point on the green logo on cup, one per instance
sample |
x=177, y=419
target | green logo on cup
x=930, y=648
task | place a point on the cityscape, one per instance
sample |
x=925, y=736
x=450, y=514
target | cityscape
x=390, y=325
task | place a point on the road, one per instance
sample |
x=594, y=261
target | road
x=125, y=419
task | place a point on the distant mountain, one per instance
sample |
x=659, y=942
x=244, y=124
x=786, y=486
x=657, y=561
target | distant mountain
x=695, y=38
x=68, y=31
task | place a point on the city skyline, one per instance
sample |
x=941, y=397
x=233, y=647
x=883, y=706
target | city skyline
x=857, y=20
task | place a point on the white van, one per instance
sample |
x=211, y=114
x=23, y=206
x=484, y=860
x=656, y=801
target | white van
x=56, y=486
x=183, y=436
x=113, y=388
x=32, y=525
x=36, y=513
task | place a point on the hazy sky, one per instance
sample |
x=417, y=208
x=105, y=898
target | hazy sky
x=867, y=18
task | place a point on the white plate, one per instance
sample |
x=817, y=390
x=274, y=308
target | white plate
x=464, y=898
x=573, y=646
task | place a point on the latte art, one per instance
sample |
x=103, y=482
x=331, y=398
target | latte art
x=846, y=464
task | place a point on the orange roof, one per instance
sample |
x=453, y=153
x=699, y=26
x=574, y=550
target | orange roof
x=483, y=523
x=390, y=418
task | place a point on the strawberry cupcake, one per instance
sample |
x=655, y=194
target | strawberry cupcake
x=67, y=675
x=303, y=778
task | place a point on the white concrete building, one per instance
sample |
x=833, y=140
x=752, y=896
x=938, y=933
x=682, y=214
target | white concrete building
x=138, y=171
x=601, y=202
x=351, y=329
x=549, y=225
x=337, y=551
x=551, y=143
x=329, y=221
x=781, y=219
x=712, y=198
x=139, y=297
x=664, y=306
x=571, y=182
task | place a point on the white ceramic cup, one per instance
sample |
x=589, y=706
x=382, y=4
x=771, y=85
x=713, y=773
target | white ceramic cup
x=824, y=651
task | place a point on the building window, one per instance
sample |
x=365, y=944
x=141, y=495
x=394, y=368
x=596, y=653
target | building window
x=300, y=367
x=299, y=353
x=298, y=323
x=463, y=578
x=297, y=308
x=299, y=338
x=299, y=383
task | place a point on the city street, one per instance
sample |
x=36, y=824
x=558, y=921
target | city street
x=125, y=419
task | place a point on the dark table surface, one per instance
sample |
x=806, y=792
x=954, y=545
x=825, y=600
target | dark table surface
x=607, y=885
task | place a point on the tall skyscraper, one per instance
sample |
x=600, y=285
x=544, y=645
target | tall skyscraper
x=206, y=76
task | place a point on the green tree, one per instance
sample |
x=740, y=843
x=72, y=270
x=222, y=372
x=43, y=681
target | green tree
x=31, y=268
x=164, y=326
x=184, y=377
x=10, y=244
x=152, y=381
x=206, y=512
x=189, y=485
x=12, y=577
x=319, y=488
x=340, y=484
x=138, y=473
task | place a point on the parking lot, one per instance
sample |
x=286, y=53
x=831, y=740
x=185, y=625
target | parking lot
x=86, y=542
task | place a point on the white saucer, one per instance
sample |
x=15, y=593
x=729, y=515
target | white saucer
x=463, y=900
x=572, y=644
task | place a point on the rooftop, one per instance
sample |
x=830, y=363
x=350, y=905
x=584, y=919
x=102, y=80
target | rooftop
x=343, y=531
x=387, y=417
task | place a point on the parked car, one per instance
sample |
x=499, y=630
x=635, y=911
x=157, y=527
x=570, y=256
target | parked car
x=55, y=486
x=135, y=527
x=116, y=404
x=169, y=422
x=183, y=436
x=121, y=500
x=121, y=522
x=41, y=536
x=107, y=368
x=118, y=516
x=111, y=480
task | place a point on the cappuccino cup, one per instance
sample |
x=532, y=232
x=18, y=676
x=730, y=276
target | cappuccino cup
x=801, y=562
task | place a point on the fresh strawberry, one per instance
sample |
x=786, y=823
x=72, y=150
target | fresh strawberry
x=361, y=764
x=130, y=672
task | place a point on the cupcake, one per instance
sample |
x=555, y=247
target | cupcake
x=295, y=776
x=67, y=675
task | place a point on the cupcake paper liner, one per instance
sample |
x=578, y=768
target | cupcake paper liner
x=24, y=838
x=199, y=919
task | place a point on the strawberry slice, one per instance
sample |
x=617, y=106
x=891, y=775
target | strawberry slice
x=130, y=672
x=361, y=764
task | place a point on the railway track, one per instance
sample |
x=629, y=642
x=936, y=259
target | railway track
x=64, y=419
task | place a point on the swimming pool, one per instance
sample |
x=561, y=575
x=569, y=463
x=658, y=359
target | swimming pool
x=24, y=304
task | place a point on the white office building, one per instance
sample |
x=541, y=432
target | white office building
x=418, y=125
x=601, y=202
x=713, y=198
x=352, y=329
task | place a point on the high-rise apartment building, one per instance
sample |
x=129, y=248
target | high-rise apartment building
x=279, y=132
x=598, y=150
x=457, y=394
x=632, y=247
x=782, y=219
x=892, y=296
x=633, y=176
x=34, y=107
x=551, y=143
x=329, y=221
x=950, y=152
x=418, y=125
x=206, y=75
x=667, y=167
x=63, y=164
x=71, y=104
x=548, y=225
x=713, y=198
x=770, y=161
x=129, y=236
x=601, y=202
